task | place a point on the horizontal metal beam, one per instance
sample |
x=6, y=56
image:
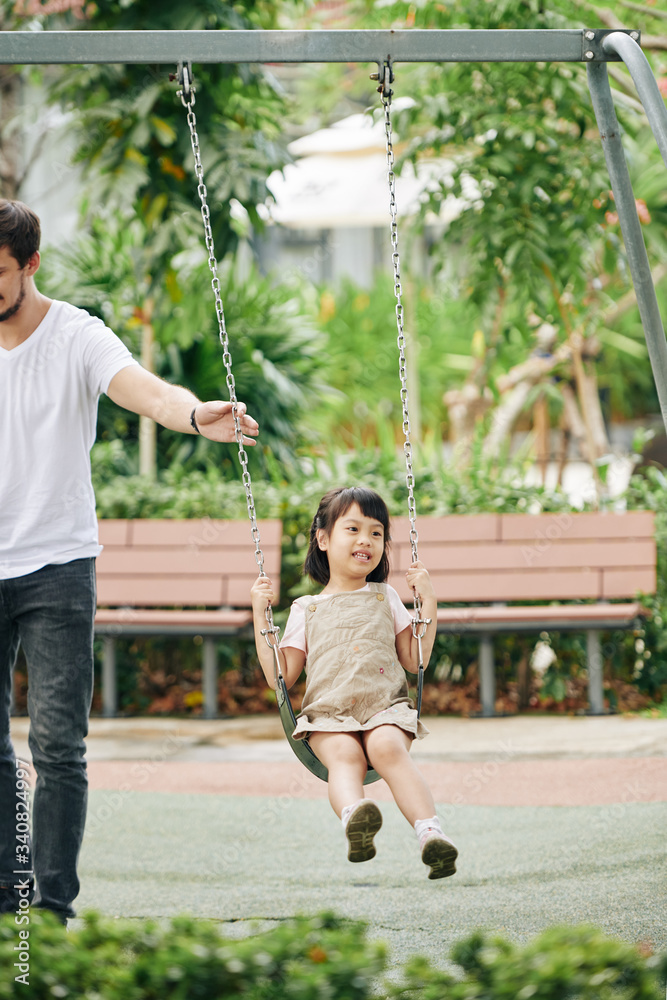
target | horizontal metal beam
x=415, y=45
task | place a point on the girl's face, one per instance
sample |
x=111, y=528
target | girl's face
x=354, y=547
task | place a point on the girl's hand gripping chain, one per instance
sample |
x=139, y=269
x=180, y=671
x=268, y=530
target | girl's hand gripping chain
x=271, y=658
x=423, y=627
x=262, y=594
x=418, y=579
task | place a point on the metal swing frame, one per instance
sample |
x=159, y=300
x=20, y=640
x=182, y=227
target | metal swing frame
x=594, y=47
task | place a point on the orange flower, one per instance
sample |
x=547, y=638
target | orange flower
x=642, y=210
x=168, y=166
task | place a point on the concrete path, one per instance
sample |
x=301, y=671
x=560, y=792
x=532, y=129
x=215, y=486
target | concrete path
x=557, y=819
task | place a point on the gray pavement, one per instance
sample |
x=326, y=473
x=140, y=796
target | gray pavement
x=250, y=859
x=554, y=737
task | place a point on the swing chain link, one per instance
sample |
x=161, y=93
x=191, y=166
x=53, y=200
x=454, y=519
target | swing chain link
x=187, y=96
x=386, y=78
x=398, y=291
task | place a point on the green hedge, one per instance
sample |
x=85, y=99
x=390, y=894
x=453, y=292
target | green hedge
x=318, y=958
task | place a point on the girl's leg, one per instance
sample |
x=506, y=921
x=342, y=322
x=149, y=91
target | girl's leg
x=388, y=748
x=343, y=756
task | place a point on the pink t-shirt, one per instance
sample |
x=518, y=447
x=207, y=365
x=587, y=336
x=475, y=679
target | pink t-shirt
x=295, y=630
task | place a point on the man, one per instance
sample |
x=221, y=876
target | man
x=55, y=361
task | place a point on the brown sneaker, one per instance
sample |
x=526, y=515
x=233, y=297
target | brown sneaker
x=364, y=822
x=439, y=853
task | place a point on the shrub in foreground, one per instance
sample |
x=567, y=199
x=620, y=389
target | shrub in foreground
x=311, y=958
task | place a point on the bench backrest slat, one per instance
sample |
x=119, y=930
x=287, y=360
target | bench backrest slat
x=522, y=557
x=183, y=563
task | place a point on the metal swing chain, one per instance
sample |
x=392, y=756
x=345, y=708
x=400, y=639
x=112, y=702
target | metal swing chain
x=187, y=96
x=419, y=624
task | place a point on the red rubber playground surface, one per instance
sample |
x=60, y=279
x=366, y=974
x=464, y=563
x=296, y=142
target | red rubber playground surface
x=515, y=761
x=597, y=781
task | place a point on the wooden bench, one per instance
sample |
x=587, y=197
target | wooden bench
x=178, y=578
x=488, y=560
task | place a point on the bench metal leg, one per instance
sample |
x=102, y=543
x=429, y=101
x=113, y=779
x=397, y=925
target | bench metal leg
x=210, y=679
x=109, y=688
x=487, y=676
x=595, y=687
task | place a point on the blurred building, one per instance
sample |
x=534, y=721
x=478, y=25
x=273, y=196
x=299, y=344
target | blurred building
x=330, y=217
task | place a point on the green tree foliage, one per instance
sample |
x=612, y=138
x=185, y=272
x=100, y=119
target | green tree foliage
x=276, y=351
x=363, y=359
x=132, y=139
x=539, y=236
x=529, y=163
x=142, y=264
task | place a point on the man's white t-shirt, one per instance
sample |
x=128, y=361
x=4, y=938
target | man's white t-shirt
x=49, y=390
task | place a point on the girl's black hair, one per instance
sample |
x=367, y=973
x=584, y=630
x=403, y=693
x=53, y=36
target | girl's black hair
x=332, y=506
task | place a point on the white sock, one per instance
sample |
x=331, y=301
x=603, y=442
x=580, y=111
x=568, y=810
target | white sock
x=422, y=825
x=347, y=812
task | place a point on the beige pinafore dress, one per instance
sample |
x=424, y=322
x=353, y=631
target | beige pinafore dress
x=354, y=680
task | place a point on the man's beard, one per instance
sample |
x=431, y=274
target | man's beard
x=12, y=311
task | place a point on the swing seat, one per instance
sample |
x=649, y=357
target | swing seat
x=301, y=748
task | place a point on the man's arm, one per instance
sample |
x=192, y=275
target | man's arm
x=137, y=390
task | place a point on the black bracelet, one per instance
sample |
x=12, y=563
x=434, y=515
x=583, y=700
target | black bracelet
x=193, y=421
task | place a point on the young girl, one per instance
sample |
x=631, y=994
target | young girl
x=355, y=640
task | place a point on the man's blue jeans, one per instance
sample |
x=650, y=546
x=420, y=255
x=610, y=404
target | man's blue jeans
x=50, y=613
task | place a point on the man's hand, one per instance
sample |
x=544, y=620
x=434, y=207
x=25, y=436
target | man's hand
x=216, y=422
x=140, y=391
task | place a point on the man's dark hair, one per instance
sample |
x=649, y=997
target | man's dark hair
x=332, y=506
x=20, y=231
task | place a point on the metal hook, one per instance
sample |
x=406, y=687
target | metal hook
x=385, y=77
x=184, y=76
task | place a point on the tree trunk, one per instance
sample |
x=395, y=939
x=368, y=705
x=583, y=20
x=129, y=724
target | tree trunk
x=542, y=430
x=10, y=139
x=465, y=407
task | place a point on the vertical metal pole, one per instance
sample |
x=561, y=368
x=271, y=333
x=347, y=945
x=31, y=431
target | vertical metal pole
x=610, y=133
x=109, y=691
x=594, y=662
x=487, y=676
x=210, y=678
